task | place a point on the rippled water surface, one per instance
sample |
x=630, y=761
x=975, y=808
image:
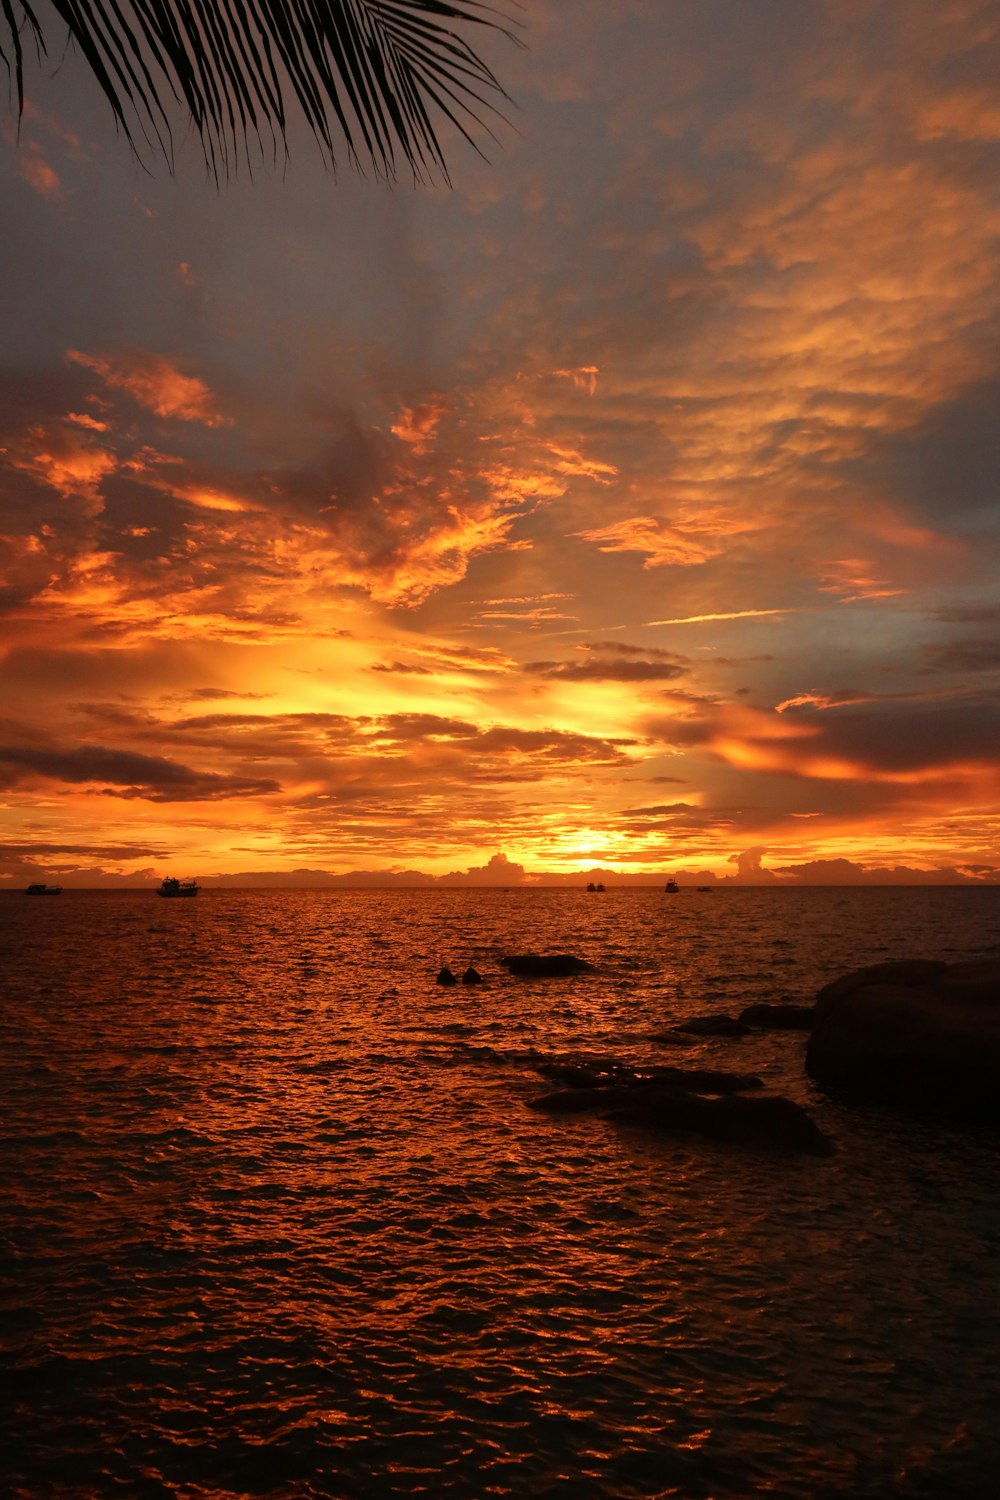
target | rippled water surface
x=278, y=1221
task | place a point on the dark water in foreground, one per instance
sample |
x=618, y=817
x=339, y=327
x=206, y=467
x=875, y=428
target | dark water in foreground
x=277, y=1221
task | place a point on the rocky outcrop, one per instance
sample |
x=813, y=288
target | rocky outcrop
x=920, y=1032
x=546, y=965
x=771, y=1123
x=604, y=1073
x=765, y=1122
x=779, y=1017
x=446, y=977
x=472, y=976
x=716, y=1024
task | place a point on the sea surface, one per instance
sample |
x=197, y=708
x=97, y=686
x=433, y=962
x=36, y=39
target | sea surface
x=278, y=1220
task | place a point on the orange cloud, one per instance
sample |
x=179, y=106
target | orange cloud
x=60, y=459
x=853, y=579
x=663, y=546
x=36, y=172
x=156, y=383
x=83, y=419
x=417, y=425
x=584, y=377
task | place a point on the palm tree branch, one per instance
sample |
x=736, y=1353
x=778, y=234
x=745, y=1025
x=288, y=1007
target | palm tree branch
x=370, y=67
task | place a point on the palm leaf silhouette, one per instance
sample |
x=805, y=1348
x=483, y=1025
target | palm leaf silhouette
x=367, y=72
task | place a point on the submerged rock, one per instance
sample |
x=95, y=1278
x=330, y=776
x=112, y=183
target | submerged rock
x=779, y=1017
x=546, y=965
x=919, y=1032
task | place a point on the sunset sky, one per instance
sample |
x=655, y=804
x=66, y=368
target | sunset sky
x=630, y=504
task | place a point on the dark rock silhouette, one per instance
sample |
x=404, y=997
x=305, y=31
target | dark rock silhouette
x=472, y=976
x=920, y=1032
x=445, y=976
x=779, y=1017
x=598, y=1073
x=546, y=965
x=710, y=1025
x=771, y=1122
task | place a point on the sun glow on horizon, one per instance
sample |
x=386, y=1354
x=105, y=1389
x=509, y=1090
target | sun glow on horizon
x=344, y=530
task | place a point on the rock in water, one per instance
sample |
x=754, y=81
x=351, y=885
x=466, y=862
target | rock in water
x=920, y=1033
x=710, y=1025
x=546, y=965
x=445, y=976
x=472, y=976
x=770, y=1123
x=779, y=1017
x=767, y=1123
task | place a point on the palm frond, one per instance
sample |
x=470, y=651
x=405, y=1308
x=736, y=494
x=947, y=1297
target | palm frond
x=370, y=74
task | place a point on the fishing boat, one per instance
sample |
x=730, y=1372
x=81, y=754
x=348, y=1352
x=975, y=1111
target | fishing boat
x=672, y=887
x=44, y=890
x=173, y=887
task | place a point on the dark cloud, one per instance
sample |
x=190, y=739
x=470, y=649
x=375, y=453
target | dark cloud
x=321, y=721
x=657, y=810
x=405, y=668
x=968, y=614
x=614, y=661
x=126, y=851
x=124, y=773
x=947, y=467
x=553, y=744
x=848, y=872
x=606, y=671
x=405, y=727
x=212, y=692
x=912, y=737
x=970, y=655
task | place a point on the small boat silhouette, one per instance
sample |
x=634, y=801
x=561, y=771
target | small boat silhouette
x=43, y=890
x=671, y=886
x=173, y=887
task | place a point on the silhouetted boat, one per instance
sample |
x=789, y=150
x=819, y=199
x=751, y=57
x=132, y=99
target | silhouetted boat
x=591, y=886
x=173, y=887
x=706, y=888
x=44, y=890
x=671, y=886
x=599, y=886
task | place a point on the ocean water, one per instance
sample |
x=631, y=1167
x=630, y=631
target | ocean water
x=277, y=1219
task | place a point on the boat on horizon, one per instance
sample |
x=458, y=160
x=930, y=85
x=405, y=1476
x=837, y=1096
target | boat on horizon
x=39, y=889
x=171, y=886
x=671, y=886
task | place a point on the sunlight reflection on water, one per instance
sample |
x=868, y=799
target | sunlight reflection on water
x=278, y=1222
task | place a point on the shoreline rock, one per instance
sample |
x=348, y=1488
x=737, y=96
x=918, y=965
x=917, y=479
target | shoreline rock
x=921, y=1033
x=779, y=1017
